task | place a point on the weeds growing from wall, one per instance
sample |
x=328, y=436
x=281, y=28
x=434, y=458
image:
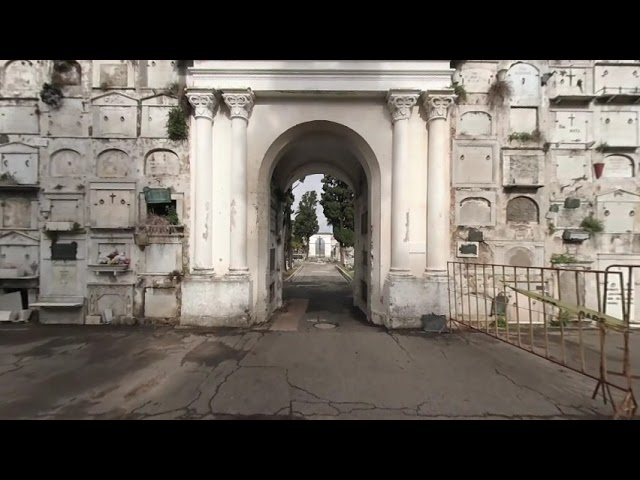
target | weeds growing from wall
x=499, y=92
x=51, y=95
x=177, y=127
x=592, y=225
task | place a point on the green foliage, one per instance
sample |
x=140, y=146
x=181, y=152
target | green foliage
x=592, y=225
x=306, y=222
x=602, y=147
x=177, y=128
x=51, y=95
x=172, y=216
x=296, y=244
x=460, y=91
x=337, y=203
x=499, y=92
x=563, y=258
x=534, y=136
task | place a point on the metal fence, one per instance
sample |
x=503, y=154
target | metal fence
x=575, y=317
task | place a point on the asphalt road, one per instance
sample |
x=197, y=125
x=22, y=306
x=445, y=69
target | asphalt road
x=286, y=369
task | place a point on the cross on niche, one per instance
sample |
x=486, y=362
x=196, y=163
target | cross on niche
x=113, y=195
x=570, y=75
x=571, y=119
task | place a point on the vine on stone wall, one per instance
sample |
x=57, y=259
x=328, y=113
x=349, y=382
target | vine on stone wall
x=51, y=95
x=177, y=127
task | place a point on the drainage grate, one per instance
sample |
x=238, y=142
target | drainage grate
x=325, y=326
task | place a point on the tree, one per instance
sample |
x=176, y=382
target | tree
x=337, y=203
x=306, y=222
x=285, y=200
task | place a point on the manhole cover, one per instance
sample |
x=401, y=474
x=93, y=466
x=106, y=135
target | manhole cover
x=325, y=326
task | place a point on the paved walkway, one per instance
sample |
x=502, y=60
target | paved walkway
x=291, y=371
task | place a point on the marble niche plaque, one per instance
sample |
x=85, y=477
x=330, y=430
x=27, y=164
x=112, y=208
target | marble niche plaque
x=475, y=124
x=525, y=82
x=115, y=115
x=113, y=163
x=619, y=128
x=572, y=127
x=112, y=205
x=20, y=162
x=66, y=163
x=474, y=164
x=618, y=166
x=155, y=112
x=19, y=119
x=162, y=162
x=618, y=210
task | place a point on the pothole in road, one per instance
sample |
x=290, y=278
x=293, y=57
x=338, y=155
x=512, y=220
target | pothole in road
x=325, y=325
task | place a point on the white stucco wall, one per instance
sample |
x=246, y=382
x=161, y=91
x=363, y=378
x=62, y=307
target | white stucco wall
x=271, y=117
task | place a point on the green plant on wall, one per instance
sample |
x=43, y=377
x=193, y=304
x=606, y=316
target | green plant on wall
x=51, y=95
x=499, y=92
x=177, y=128
x=563, y=258
x=535, y=136
x=172, y=216
x=602, y=146
x=460, y=91
x=592, y=225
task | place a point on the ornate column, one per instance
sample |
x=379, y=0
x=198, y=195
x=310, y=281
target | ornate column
x=240, y=105
x=400, y=103
x=204, y=105
x=437, y=105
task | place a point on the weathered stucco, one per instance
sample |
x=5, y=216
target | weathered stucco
x=523, y=170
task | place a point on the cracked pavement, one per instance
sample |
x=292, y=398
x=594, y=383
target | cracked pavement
x=353, y=371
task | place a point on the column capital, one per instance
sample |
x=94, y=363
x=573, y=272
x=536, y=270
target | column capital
x=437, y=103
x=240, y=103
x=204, y=104
x=400, y=103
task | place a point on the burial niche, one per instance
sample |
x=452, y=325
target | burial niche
x=66, y=163
x=519, y=257
x=522, y=210
x=113, y=164
x=475, y=123
x=475, y=210
x=618, y=166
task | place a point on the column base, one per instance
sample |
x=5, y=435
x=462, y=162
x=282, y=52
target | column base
x=411, y=300
x=203, y=271
x=216, y=301
x=400, y=272
x=238, y=272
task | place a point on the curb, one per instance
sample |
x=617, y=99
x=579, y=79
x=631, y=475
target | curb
x=297, y=271
x=344, y=273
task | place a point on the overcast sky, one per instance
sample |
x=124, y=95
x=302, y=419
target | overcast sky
x=312, y=182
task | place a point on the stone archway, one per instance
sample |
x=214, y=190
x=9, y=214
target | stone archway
x=321, y=147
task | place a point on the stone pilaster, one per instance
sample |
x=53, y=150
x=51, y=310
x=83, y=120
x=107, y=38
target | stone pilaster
x=400, y=105
x=240, y=105
x=437, y=105
x=204, y=106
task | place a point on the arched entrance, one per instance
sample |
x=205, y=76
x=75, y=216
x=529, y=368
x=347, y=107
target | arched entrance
x=320, y=147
